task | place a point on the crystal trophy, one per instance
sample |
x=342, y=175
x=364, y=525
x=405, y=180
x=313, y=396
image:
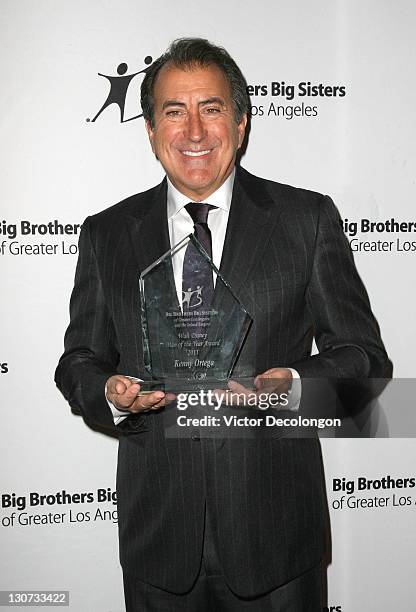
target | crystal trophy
x=186, y=343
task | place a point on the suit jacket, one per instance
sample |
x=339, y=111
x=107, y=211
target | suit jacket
x=287, y=259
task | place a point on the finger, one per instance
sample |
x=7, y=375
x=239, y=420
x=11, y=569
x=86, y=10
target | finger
x=120, y=387
x=236, y=387
x=272, y=373
x=234, y=396
x=169, y=398
x=134, y=402
x=267, y=379
x=165, y=401
x=272, y=385
x=127, y=396
x=118, y=384
x=150, y=400
x=142, y=403
x=276, y=373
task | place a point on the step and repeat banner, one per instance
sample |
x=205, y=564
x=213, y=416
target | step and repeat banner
x=333, y=99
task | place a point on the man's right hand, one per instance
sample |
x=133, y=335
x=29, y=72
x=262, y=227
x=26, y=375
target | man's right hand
x=123, y=394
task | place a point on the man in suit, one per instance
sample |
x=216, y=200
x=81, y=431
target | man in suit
x=210, y=524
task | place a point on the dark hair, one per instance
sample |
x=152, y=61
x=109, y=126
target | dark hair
x=190, y=52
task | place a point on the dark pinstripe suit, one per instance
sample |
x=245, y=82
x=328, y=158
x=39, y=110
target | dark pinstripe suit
x=287, y=259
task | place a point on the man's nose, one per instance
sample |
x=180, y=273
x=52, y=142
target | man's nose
x=195, y=127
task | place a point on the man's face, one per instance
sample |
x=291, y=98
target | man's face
x=195, y=135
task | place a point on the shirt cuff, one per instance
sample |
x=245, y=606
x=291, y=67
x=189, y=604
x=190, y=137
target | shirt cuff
x=295, y=392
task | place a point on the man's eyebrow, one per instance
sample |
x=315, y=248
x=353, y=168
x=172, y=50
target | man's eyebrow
x=167, y=103
x=212, y=100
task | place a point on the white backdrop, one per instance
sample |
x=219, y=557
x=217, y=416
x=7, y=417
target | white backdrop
x=57, y=165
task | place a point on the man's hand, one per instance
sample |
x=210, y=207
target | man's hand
x=123, y=394
x=276, y=380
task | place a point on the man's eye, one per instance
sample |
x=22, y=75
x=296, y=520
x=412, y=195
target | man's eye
x=212, y=110
x=174, y=113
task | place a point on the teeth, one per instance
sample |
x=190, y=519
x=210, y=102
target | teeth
x=195, y=153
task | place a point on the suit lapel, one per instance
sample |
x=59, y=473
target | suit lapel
x=253, y=215
x=149, y=237
x=148, y=228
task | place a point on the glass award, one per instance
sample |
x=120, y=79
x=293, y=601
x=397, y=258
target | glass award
x=186, y=344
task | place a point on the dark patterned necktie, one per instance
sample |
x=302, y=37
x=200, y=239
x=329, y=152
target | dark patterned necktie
x=197, y=280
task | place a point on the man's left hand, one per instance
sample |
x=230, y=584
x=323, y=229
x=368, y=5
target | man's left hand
x=275, y=380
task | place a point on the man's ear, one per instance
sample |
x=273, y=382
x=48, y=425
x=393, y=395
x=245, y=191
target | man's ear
x=150, y=133
x=242, y=129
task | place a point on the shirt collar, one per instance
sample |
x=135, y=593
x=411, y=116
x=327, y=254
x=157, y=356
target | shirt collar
x=220, y=198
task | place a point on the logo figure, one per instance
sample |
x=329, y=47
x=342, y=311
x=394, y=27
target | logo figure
x=118, y=89
x=192, y=298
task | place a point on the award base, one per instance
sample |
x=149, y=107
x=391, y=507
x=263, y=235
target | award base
x=177, y=385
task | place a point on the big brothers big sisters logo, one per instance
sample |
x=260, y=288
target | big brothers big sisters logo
x=119, y=85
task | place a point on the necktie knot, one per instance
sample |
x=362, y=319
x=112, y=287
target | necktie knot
x=198, y=211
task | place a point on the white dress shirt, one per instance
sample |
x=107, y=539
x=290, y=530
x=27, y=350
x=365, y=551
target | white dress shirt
x=181, y=225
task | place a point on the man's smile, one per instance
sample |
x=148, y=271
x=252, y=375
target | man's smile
x=191, y=153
